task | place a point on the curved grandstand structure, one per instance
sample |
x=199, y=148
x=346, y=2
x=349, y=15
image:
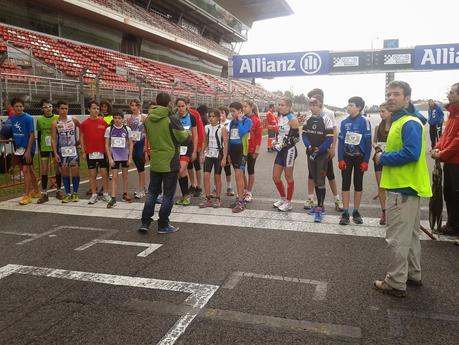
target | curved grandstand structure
x=119, y=49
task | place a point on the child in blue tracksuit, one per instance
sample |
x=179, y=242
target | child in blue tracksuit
x=354, y=149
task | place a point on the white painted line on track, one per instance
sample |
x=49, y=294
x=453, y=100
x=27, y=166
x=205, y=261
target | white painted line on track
x=258, y=219
x=319, y=294
x=200, y=294
x=151, y=247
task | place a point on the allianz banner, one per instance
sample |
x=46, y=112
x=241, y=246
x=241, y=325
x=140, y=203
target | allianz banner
x=281, y=65
x=441, y=56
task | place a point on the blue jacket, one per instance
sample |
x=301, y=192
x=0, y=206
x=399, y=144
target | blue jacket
x=436, y=115
x=359, y=125
x=242, y=127
x=412, y=144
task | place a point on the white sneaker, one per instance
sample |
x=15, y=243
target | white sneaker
x=278, y=203
x=309, y=204
x=106, y=197
x=139, y=195
x=248, y=197
x=286, y=206
x=92, y=199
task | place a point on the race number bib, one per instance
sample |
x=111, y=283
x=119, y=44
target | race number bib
x=353, y=138
x=136, y=135
x=96, y=155
x=119, y=142
x=68, y=151
x=234, y=133
x=212, y=153
x=381, y=145
x=183, y=150
x=19, y=151
x=48, y=140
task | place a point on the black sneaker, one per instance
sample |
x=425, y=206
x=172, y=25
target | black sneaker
x=191, y=190
x=197, y=192
x=111, y=203
x=356, y=217
x=344, y=220
x=44, y=198
x=144, y=227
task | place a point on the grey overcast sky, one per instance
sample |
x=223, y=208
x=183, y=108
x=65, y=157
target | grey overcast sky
x=358, y=25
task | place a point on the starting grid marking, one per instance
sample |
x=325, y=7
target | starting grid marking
x=260, y=219
x=200, y=294
x=151, y=247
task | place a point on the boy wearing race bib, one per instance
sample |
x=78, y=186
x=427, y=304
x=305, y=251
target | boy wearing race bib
x=64, y=143
x=354, y=149
x=136, y=123
x=45, y=149
x=215, y=156
x=118, y=146
x=93, y=150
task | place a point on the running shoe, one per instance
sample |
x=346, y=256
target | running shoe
x=278, y=203
x=339, y=206
x=93, y=199
x=35, y=195
x=312, y=211
x=75, y=197
x=309, y=204
x=356, y=217
x=126, y=197
x=111, y=203
x=239, y=207
x=286, y=206
x=229, y=191
x=197, y=192
x=382, y=220
x=67, y=198
x=169, y=229
x=144, y=227
x=191, y=190
x=344, y=220
x=25, y=199
x=139, y=195
x=248, y=197
x=207, y=202
x=217, y=203
x=159, y=199
x=106, y=197
x=318, y=215
x=184, y=201
x=59, y=195
x=44, y=198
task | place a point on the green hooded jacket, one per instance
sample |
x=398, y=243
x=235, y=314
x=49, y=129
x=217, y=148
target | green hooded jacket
x=165, y=134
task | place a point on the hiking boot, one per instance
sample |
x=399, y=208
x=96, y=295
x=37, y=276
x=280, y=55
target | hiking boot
x=184, y=201
x=197, y=192
x=111, y=203
x=229, y=191
x=75, y=197
x=67, y=198
x=93, y=199
x=59, y=195
x=239, y=207
x=356, y=217
x=217, y=203
x=344, y=220
x=169, y=229
x=25, y=199
x=318, y=215
x=207, y=202
x=382, y=220
x=278, y=203
x=44, y=198
x=309, y=204
x=286, y=206
x=382, y=286
x=126, y=197
x=339, y=206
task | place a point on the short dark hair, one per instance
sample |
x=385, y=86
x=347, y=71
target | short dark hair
x=318, y=97
x=202, y=109
x=215, y=112
x=316, y=91
x=163, y=99
x=358, y=101
x=17, y=100
x=43, y=101
x=401, y=84
x=59, y=103
x=135, y=101
x=118, y=112
x=91, y=102
x=224, y=109
x=236, y=105
x=181, y=99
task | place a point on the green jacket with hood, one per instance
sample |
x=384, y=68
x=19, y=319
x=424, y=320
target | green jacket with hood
x=165, y=134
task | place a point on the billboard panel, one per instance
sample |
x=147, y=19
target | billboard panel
x=394, y=59
x=440, y=56
x=352, y=61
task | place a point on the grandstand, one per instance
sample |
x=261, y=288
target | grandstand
x=118, y=49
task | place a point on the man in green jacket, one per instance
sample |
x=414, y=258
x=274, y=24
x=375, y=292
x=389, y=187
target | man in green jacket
x=165, y=135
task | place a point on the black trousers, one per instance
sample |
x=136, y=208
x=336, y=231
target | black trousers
x=435, y=133
x=451, y=193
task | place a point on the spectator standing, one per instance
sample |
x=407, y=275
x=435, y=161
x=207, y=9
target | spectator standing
x=435, y=120
x=271, y=120
x=447, y=151
x=405, y=176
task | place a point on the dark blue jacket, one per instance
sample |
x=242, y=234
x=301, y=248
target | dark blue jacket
x=436, y=115
x=360, y=125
